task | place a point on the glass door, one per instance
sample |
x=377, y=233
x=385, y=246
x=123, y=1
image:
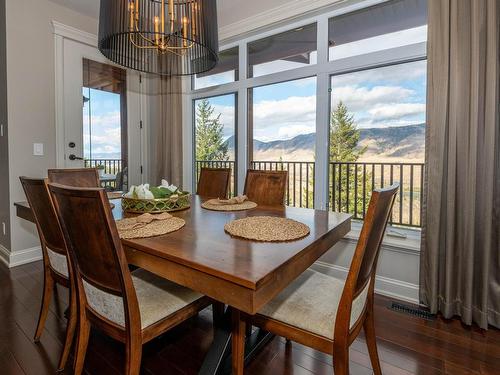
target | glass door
x=105, y=123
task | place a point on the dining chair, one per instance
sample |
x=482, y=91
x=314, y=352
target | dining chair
x=326, y=313
x=130, y=307
x=55, y=262
x=80, y=177
x=120, y=182
x=266, y=188
x=214, y=182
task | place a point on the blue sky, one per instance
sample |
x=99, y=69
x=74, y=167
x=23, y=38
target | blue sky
x=382, y=97
x=105, y=124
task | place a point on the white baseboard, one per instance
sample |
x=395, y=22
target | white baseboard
x=20, y=257
x=385, y=286
x=393, y=288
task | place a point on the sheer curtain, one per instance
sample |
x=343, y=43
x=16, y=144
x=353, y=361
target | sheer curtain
x=166, y=130
x=460, y=265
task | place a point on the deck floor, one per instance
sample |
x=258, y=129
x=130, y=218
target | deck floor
x=407, y=345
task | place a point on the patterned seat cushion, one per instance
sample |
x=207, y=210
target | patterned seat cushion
x=157, y=297
x=58, y=262
x=311, y=303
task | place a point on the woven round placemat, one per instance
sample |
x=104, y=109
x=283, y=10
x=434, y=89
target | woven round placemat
x=267, y=229
x=213, y=205
x=153, y=229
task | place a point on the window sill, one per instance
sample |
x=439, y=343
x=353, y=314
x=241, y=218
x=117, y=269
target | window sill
x=397, y=239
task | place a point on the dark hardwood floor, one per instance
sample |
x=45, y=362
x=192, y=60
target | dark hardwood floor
x=406, y=344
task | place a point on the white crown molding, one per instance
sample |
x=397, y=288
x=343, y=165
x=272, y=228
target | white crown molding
x=281, y=13
x=72, y=33
x=18, y=258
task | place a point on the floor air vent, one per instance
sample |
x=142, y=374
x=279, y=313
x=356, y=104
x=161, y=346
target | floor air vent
x=410, y=310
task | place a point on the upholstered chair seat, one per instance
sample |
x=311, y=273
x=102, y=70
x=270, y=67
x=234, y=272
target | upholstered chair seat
x=58, y=262
x=158, y=298
x=323, y=312
x=311, y=303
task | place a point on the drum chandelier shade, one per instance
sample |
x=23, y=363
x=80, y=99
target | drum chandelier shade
x=166, y=37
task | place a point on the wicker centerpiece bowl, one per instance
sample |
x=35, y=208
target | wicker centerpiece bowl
x=164, y=198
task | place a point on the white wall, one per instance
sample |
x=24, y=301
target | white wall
x=397, y=271
x=31, y=97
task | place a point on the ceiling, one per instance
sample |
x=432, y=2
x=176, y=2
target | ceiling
x=229, y=11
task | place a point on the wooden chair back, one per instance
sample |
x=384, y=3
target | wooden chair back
x=364, y=262
x=266, y=188
x=92, y=240
x=43, y=211
x=372, y=233
x=214, y=182
x=78, y=177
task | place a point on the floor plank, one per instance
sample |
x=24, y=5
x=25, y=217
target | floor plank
x=407, y=345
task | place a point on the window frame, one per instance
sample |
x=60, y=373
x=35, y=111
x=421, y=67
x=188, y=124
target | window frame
x=323, y=70
x=236, y=141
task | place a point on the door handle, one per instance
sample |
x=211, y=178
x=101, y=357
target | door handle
x=74, y=157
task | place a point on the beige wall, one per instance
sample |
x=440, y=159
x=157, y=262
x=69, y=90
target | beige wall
x=4, y=153
x=31, y=96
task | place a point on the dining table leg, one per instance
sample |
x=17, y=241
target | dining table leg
x=238, y=342
x=218, y=360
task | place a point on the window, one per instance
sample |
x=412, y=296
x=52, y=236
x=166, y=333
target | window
x=226, y=71
x=282, y=121
x=391, y=24
x=292, y=49
x=105, y=121
x=366, y=101
x=377, y=137
x=215, y=129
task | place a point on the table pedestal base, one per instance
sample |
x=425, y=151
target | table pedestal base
x=218, y=358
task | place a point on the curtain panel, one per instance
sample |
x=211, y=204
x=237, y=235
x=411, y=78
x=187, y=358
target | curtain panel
x=460, y=264
x=166, y=130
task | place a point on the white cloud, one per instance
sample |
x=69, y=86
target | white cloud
x=362, y=98
x=106, y=135
x=284, y=119
x=291, y=109
x=376, y=106
x=396, y=110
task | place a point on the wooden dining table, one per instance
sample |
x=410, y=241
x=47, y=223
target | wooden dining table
x=242, y=274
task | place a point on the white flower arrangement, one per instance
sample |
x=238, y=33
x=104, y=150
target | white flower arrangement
x=162, y=198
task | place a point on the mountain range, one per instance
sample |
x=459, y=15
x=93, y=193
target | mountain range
x=406, y=143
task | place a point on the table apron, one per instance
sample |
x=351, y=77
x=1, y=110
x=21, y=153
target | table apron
x=216, y=288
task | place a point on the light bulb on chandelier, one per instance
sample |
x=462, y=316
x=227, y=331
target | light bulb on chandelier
x=168, y=37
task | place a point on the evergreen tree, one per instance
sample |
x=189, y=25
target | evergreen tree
x=210, y=144
x=344, y=139
x=344, y=136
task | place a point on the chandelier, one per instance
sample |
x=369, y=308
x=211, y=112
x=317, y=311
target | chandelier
x=166, y=37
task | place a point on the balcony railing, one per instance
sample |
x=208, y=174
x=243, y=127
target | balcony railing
x=111, y=166
x=218, y=164
x=300, y=188
x=350, y=185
